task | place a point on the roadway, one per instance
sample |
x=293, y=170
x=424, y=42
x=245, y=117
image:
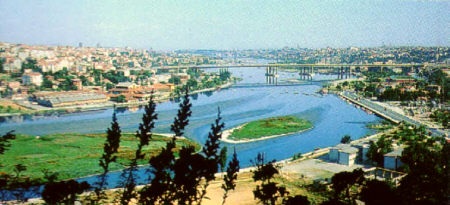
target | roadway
x=387, y=113
x=291, y=65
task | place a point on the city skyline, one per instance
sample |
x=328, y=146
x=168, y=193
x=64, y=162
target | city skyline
x=226, y=25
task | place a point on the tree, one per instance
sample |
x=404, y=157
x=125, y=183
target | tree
x=268, y=192
x=181, y=121
x=427, y=164
x=5, y=141
x=231, y=176
x=47, y=83
x=110, y=148
x=120, y=99
x=179, y=180
x=379, y=192
x=441, y=116
x=342, y=182
x=345, y=84
x=161, y=187
x=211, y=152
x=175, y=80
x=223, y=158
x=2, y=61
x=439, y=77
x=63, y=192
x=224, y=75
x=346, y=139
x=67, y=85
x=144, y=135
x=296, y=200
x=192, y=84
x=30, y=63
x=377, y=150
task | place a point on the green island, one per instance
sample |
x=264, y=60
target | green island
x=76, y=155
x=270, y=127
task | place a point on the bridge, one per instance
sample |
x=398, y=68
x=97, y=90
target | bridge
x=306, y=71
x=291, y=65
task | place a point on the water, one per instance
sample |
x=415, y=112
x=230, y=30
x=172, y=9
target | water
x=332, y=118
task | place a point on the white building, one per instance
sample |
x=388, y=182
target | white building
x=12, y=65
x=343, y=154
x=392, y=159
x=32, y=78
x=363, y=148
x=161, y=78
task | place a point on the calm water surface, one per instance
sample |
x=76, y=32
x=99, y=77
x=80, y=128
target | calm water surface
x=332, y=118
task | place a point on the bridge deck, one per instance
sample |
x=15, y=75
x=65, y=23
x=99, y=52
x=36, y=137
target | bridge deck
x=295, y=65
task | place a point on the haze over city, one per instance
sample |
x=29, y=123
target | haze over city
x=169, y=25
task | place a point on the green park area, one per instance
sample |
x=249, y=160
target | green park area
x=270, y=127
x=75, y=155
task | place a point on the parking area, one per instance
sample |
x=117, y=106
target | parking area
x=317, y=168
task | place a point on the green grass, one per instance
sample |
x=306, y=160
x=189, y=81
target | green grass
x=270, y=126
x=74, y=155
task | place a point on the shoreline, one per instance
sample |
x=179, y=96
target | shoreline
x=227, y=133
x=94, y=107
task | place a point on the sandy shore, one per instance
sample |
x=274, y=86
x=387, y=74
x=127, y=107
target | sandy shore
x=226, y=134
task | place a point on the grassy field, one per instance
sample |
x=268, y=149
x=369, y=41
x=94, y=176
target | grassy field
x=269, y=127
x=74, y=155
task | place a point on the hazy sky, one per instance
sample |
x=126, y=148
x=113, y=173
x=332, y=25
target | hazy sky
x=226, y=24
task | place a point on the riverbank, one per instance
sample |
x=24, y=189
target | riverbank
x=266, y=129
x=295, y=175
x=95, y=107
x=77, y=155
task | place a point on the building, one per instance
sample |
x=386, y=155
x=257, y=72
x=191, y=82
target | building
x=343, y=154
x=70, y=98
x=12, y=65
x=392, y=159
x=131, y=91
x=32, y=78
x=126, y=85
x=397, y=80
x=77, y=83
x=161, y=78
x=167, y=87
x=14, y=86
x=363, y=148
x=125, y=72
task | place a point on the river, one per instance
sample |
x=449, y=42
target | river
x=332, y=117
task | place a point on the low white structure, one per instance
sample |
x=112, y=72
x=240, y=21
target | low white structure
x=392, y=159
x=363, y=148
x=343, y=154
x=32, y=78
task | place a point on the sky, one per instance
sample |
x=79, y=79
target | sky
x=244, y=24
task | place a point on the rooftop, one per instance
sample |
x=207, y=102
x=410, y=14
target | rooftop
x=395, y=153
x=346, y=148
